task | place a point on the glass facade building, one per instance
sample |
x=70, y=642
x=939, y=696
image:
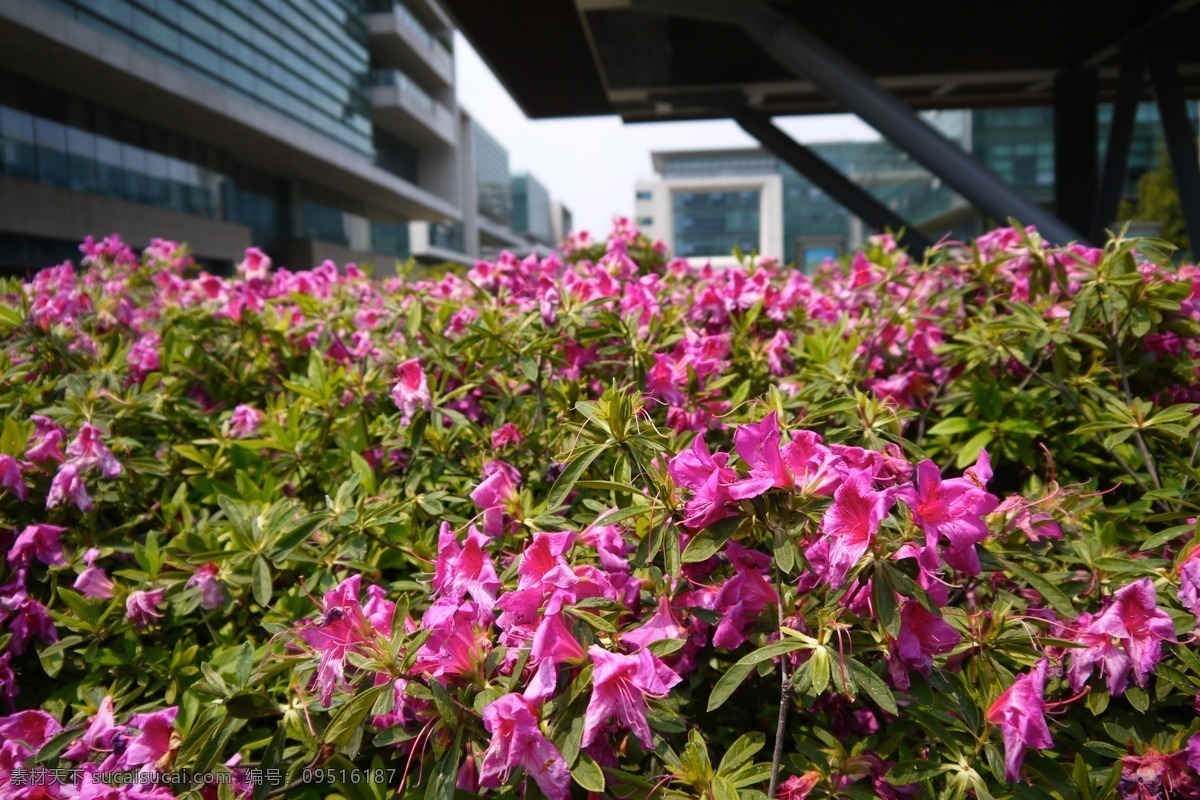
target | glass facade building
x=715, y=222
x=299, y=75
x=492, y=177
x=531, y=208
x=1017, y=143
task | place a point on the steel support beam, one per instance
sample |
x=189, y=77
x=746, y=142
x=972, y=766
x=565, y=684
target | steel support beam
x=810, y=58
x=816, y=169
x=1120, y=137
x=1181, y=139
x=1075, y=135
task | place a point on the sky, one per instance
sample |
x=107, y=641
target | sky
x=592, y=163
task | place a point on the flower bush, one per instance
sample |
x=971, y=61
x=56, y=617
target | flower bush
x=603, y=524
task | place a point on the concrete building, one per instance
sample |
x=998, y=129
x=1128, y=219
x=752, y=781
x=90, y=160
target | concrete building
x=705, y=203
x=311, y=128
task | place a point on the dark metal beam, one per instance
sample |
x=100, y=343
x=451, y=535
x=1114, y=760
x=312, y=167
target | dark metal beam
x=1120, y=137
x=1075, y=110
x=810, y=58
x=855, y=199
x=1181, y=139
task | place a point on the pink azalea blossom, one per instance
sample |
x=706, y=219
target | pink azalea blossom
x=506, y=435
x=1100, y=651
x=952, y=510
x=1136, y=621
x=46, y=444
x=758, y=446
x=155, y=740
x=923, y=635
x=620, y=685
x=254, y=265
x=814, y=467
x=518, y=743
x=211, y=593
x=663, y=624
x=98, y=737
x=743, y=597
x=94, y=582
x=709, y=479
x=465, y=570
x=554, y=642
x=851, y=522
x=245, y=422
x=346, y=626
x=68, y=485
x=411, y=391
x=495, y=494
x=33, y=728
x=141, y=607
x=1020, y=713
x=43, y=542
x=12, y=478
x=88, y=452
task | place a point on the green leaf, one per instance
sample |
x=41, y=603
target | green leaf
x=250, y=705
x=708, y=542
x=970, y=451
x=740, y=752
x=1054, y=596
x=587, y=773
x=951, y=426
x=727, y=684
x=261, y=582
x=873, y=685
x=571, y=473
x=445, y=772
x=347, y=719
x=1138, y=698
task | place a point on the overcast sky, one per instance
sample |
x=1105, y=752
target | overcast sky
x=592, y=163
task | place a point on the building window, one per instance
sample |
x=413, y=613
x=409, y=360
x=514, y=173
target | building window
x=714, y=223
x=645, y=222
x=645, y=194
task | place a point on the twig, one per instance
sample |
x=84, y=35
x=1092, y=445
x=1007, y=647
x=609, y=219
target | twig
x=785, y=689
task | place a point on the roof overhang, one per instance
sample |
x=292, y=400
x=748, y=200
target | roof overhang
x=598, y=57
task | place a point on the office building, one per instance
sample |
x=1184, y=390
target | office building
x=706, y=203
x=311, y=128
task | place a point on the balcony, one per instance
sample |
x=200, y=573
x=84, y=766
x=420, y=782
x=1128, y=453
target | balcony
x=401, y=107
x=398, y=38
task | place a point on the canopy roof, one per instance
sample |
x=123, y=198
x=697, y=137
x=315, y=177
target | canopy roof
x=563, y=58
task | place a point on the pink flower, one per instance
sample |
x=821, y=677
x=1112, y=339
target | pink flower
x=155, y=741
x=554, y=641
x=93, y=582
x=1101, y=650
x=43, y=542
x=141, y=607
x=211, y=593
x=495, y=494
x=11, y=477
x=1135, y=619
x=518, y=742
x=46, y=444
x=953, y=509
x=465, y=570
x=507, y=434
x=708, y=478
x=346, y=627
x=33, y=728
x=620, y=685
x=98, y=737
x=758, y=446
x=798, y=787
x=411, y=391
x=662, y=625
x=815, y=469
x=923, y=635
x=68, y=485
x=255, y=264
x=1189, y=580
x=88, y=452
x=245, y=421
x=1020, y=712
x=851, y=522
x=743, y=597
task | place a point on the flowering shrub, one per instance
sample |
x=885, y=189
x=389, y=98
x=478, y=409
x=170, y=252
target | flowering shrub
x=603, y=524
